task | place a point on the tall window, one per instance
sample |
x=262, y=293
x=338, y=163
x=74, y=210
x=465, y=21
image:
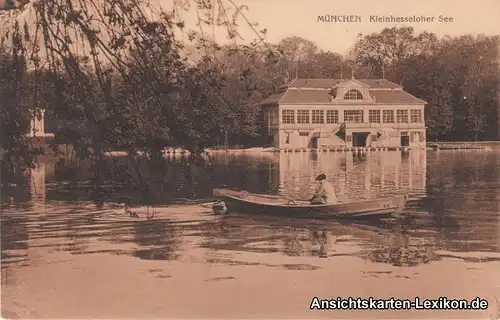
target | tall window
x=388, y=116
x=416, y=116
x=353, y=94
x=303, y=116
x=353, y=116
x=402, y=116
x=318, y=116
x=288, y=116
x=332, y=116
x=374, y=116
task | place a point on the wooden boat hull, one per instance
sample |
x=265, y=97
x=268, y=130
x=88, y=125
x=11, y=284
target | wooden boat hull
x=275, y=205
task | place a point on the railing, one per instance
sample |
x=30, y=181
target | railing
x=418, y=125
x=353, y=125
x=310, y=126
x=349, y=125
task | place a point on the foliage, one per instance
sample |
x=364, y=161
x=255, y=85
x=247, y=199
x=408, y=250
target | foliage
x=457, y=76
x=15, y=89
x=119, y=70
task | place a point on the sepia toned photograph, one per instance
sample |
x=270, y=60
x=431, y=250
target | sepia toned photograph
x=250, y=159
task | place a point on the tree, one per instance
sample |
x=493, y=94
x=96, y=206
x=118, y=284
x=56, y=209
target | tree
x=15, y=90
x=382, y=51
x=458, y=76
x=118, y=67
x=473, y=62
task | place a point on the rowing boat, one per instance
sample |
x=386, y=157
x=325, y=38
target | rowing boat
x=243, y=201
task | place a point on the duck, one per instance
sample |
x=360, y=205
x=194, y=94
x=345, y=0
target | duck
x=131, y=213
x=125, y=204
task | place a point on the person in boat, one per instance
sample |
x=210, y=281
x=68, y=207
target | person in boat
x=325, y=193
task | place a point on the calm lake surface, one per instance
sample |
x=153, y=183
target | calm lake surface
x=63, y=258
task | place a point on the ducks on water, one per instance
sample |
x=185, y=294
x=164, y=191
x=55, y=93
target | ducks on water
x=127, y=205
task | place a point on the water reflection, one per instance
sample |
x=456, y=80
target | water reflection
x=393, y=241
x=454, y=209
x=158, y=240
x=356, y=176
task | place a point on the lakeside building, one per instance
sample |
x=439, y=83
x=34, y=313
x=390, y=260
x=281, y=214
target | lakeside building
x=330, y=113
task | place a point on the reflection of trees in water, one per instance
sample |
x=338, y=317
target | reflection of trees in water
x=15, y=187
x=65, y=170
x=395, y=242
x=293, y=173
x=389, y=241
x=171, y=178
x=462, y=202
x=400, y=252
x=77, y=232
x=158, y=240
x=14, y=238
x=305, y=241
x=295, y=240
x=14, y=245
x=406, y=241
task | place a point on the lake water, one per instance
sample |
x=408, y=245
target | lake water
x=63, y=258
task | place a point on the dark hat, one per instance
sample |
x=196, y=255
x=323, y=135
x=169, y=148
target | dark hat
x=321, y=177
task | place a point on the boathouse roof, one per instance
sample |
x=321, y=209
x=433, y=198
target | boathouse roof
x=318, y=91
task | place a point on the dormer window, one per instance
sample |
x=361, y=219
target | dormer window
x=353, y=94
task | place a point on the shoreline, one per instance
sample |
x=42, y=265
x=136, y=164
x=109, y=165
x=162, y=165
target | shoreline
x=444, y=145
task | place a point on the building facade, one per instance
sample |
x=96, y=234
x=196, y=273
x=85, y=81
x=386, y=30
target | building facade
x=330, y=113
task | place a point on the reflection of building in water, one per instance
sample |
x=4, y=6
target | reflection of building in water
x=37, y=184
x=355, y=176
x=298, y=170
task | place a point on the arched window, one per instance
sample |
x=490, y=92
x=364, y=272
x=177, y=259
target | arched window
x=353, y=94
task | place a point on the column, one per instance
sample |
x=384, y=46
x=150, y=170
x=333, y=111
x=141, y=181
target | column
x=341, y=115
x=42, y=122
x=366, y=114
